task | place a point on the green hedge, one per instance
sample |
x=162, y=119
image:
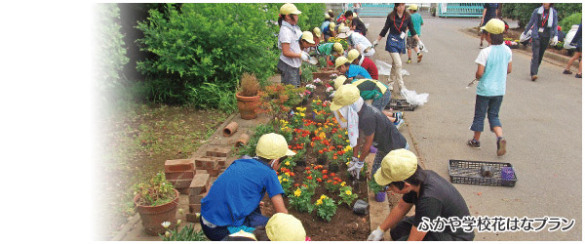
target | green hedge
x=523, y=11
x=573, y=19
x=200, y=50
x=111, y=52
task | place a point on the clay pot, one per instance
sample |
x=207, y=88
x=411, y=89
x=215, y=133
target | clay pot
x=230, y=129
x=152, y=217
x=248, y=106
x=380, y=196
x=243, y=140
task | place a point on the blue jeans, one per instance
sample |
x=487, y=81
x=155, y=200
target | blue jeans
x=489, y=105
x=220, y=232
x=381, y=102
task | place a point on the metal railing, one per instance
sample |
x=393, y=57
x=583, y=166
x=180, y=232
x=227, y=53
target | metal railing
x=460, y=10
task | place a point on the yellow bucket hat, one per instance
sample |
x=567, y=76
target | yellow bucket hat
x=413, y=7
x=398, y=165
x=345, y=95
x=339, y=81
x=273, y=146
x=337, y=47
x=317, y=31
x=332, y=25
x=352, y=55
x=308, y=36
x=289, y=8
x=340, y=61
x=494, y=26
x=285, y=227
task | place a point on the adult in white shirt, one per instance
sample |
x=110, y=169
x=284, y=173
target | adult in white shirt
x=357, y=41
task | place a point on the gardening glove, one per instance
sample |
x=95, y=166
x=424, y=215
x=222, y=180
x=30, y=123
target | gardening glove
x=555, y=40
x=305, y=56
x=357, y=167
x=376, y=235
x=375, y=43
x=353, y=161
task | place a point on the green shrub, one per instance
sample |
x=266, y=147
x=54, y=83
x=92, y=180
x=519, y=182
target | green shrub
x=523, y=11
x=250, y=148
x=573, y=19
x=203, y=44
x=311, y=16
x=111, y=52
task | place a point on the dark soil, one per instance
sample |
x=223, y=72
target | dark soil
x=344, y=225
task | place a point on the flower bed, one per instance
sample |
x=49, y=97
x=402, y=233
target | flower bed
x=318, y=189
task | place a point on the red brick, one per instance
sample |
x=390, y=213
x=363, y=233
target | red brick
x=192, y=218
x=179, y=165
x=221, y=161
x=218, y=152
x=195, y=208
x=184, y=191
x=200, y=181
x=201, y=171
x=180, y=175
x=205, y=162
x=193, y=199
x=181, y=183
x=215, y=171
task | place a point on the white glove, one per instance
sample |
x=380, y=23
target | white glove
x=357, y=166
x=376, y=235
x=375, y=43
x=353, y=161
x=555, y=41
x=305, y=56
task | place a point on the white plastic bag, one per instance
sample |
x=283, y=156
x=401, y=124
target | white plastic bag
x=383, y=67
x=526, y=37
x=569, y=37
x=422, y=47
x=404, y=72
x=414, y=98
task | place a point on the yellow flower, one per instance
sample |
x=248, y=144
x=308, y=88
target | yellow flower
x=287, y=173
x=348, y=148
x=284, y=179
x=280, y=178
x=287, y=163
x=346, y=132
x=297, y=192
x=347, y=141
x=347, y=163
x=342, y=183
x=323, y=197
x=302, y=114
x=319, y=202
x=348, y=192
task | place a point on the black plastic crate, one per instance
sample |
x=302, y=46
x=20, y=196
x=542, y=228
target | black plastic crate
x=469, y=172
x=400, y=104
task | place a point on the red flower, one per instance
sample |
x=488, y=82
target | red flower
x=297, y=184
x=335, y=183
x=310, y=177
x=292, y=174
x=324, y=171
x=307, y=168
x=329, y=181
x=325, y=177
x=332, y=174
x=319, y=179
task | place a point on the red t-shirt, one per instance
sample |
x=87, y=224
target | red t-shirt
x=369, y=65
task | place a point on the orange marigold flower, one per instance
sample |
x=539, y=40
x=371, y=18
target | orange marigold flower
x=319, y=180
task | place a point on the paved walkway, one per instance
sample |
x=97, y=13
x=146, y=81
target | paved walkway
x=541, y=121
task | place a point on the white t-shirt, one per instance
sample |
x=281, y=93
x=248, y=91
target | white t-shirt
x=290, y=34
x=359, y=39
x=485, y=53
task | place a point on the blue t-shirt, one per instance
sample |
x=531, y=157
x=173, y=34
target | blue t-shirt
x=238, y=191
x=355, y=70
x=325, y=25
x=495, y=59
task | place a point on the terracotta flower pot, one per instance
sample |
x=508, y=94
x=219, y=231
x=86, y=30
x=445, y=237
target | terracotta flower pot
x=230, y=129
x=248, y=106
x=152, y=217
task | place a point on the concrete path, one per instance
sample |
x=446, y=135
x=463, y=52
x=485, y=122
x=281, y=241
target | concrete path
x=541, y=121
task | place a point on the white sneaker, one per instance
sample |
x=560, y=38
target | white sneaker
x=398, y=123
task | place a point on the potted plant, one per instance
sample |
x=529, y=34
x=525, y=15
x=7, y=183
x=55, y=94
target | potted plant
x=156, y=201
x=378, y=190
x=248, y=98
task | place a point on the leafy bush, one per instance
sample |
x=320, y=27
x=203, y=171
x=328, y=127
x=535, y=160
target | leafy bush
x=260, y=130
x=157, y=191
x=523, y=11
x=312, y=15
x=111, y=47
x=573, y=19
x=325, y=207
x=206, y=43
x=187, y=233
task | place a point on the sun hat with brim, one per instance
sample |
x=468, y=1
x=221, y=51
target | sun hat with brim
x=317, y=31
x=338, y=48
x=273, y=146
x=352, y=55
x=285, y=227
x=344, y=32
x=338, y=82
x=289, y=8
x=413, y=7
x=398, y=165
x=340, y=61
x=344, y=96
x=308, y=36
x=494, y=26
